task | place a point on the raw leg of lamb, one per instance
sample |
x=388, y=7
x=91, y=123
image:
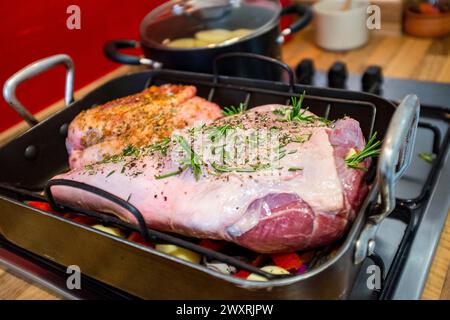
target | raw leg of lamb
x=296, y=193
x=139, y=119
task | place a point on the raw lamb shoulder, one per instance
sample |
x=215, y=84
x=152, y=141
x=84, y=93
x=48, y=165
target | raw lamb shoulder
x=303, y=198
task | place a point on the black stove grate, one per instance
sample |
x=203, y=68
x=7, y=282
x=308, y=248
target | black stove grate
x=407, y=209
x=436, y=149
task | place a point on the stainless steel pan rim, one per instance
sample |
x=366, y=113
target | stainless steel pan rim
x=248, y=284
x=32, y=70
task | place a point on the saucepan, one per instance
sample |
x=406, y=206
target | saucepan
x=188, y=35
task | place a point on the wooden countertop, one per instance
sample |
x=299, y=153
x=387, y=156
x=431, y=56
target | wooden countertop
x=13, y=287
x=400, y=56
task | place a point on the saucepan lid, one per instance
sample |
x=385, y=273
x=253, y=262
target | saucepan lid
x=184, y=24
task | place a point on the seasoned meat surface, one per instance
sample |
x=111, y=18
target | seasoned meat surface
x=295, y=193
x=139, y=119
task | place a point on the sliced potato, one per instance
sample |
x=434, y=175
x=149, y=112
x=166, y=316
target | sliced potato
x=179, y=252
x=202, y=43
x=208, y=37
x=256, y=277
x=268, y=269
x=111, y=230
x=182, y=43
x=239, y=33
x=350, y=153
x=214, y=35
x=274, y=270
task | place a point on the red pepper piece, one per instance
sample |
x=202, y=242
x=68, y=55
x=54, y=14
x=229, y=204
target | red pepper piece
x=288, y=261
x=85, y=220
x=213, y=245
x=70, y=216
x=44, y=206
x=41, y=205
x=242, y=274
x=137, y=238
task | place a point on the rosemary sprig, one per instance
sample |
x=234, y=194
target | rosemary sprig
x=191, y=159
x=220, y=168
x=232, y=110
x=280, y=112
x=224, y=169
x=298, y=113
x=130, y=150
x=370, y=150
x=281, y=154
x=196, y=129
x=251, y=168
x=301, y=138
x=295, y=168
x=111, y=173
x=161, y=146
x=325, y=121
x=426, y=156
x=248, y=169
x=114, y=159
x=135, y=152
x=170, y=174
x=218, y=132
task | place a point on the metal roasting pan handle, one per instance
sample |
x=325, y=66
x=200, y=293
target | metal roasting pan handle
x=32, y=70
x=253, y=56
x=147, y=234
x=395, y=157
x=99, y=192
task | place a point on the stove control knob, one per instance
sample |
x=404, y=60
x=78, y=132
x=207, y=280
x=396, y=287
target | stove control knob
x=337, y=75
x=372, y=80
x=305, y=71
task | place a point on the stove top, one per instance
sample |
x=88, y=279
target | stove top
x=406, y=240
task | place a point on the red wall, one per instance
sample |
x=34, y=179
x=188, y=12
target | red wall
x=32, y=29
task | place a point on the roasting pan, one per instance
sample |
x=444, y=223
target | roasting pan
x=30, y=160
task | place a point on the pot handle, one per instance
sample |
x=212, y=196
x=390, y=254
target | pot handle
x=111, y=50
x=306, y=15
x=395, y=157
x=32, y=70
